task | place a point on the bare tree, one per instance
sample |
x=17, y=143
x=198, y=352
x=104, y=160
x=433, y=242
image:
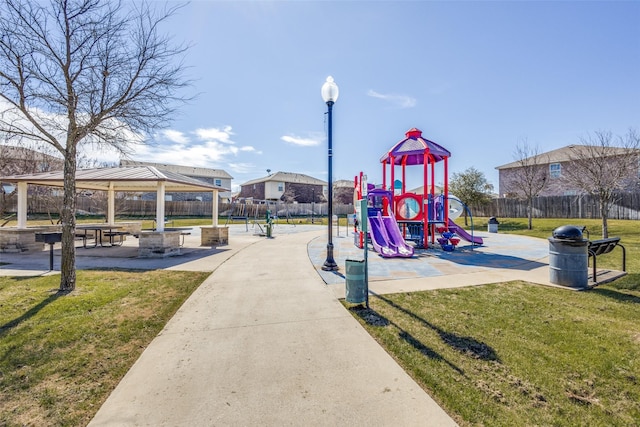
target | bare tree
x=527, y=180
x=604, y=165
x=289, y=196
x=85, y=72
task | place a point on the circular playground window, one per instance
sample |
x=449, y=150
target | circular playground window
x=408, y=207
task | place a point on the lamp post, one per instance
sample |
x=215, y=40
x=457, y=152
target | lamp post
x=330, y=95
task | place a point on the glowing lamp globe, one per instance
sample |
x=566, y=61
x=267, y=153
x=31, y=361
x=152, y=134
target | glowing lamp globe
x=329, y=90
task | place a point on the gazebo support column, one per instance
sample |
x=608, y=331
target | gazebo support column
x=214, y=235
x=20, y=238
x=160, y=206
x=22, y=205
x=111, y=204
x=214, y=208
x=159, y=244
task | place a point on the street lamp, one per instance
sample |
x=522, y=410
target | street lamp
x=330, y=95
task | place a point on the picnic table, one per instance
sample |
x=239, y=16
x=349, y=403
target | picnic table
x=99, y=233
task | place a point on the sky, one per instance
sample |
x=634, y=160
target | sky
x=476, y=77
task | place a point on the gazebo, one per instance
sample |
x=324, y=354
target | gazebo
x=112, y=180
x=415, y=150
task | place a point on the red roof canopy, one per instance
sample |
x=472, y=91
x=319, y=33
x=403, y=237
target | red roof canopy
x=411, y=150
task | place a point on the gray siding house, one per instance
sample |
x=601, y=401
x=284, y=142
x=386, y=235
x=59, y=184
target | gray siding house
x=554, y=166
x=216, y=177
x=285, y=186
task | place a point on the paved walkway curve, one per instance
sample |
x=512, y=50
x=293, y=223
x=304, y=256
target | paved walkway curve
x=263, y=341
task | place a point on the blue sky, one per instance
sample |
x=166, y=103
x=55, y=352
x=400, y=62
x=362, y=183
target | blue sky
x=475, y=77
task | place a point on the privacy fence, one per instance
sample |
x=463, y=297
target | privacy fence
x=627, y=206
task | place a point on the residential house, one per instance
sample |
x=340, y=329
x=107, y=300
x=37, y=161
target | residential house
x=285, y=186
x=216, y=177
x=555, y=165
x=16, y=160
x=343, y=191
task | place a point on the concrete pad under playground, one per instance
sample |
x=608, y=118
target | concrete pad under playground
x=502, y=258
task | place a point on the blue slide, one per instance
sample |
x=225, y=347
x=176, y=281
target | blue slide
x=476, y=240
x=386, y=237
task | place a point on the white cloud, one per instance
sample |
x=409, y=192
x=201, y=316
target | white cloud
x=217, y=134
x=241, y=167
x=194, y=154
x=310, y=141
x=211, y=147
x=400, y=101
x=175, y=136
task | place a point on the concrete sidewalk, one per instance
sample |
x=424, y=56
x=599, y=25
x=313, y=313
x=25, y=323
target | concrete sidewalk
x=263, y=341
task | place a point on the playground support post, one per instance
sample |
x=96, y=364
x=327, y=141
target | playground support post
x=330, y=95
x=363, y=208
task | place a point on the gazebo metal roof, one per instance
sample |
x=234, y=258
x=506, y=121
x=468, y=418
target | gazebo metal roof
x=112, y=180
x=127, y=179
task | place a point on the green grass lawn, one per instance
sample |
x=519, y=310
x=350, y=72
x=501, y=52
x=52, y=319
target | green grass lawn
x=515, y=354
x=61, y=355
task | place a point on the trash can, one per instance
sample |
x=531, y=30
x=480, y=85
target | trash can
x=356, y=286
x=492, y=226
x=568, y=257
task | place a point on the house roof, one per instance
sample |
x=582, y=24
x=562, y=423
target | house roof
x=290, y=177
x=127, y=179
x=344, y=183
x=566, y=153
x=183, y=170
x=12, y=152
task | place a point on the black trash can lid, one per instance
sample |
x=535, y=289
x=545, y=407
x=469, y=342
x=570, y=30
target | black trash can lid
x=568, y=232
x=493, y=220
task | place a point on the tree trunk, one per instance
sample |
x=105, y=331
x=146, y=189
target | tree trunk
x=68, y=218
x=530, y=213
x=604, y=213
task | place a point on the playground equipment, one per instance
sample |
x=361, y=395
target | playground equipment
x=383, y=230
x=424, y=215
x=260, y=212
x=416, y=217
x=240, y=211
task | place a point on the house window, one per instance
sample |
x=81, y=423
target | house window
x=281, y=186
x=555, y=170
x=218, y=182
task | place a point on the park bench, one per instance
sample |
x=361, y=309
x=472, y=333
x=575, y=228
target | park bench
x=183, y=234
x=605, y=246
x=85, y=236
x=112, y=234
